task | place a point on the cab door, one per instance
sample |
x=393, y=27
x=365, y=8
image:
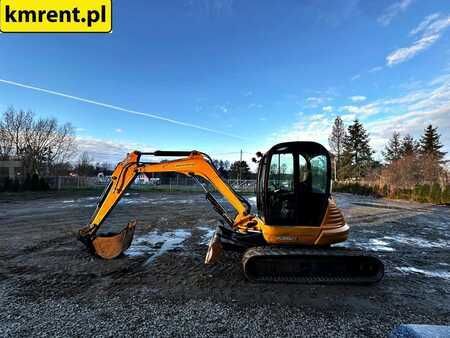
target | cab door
x=281, y=196
x=296, y=184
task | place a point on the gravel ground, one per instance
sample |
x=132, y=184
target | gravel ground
x=50, y=285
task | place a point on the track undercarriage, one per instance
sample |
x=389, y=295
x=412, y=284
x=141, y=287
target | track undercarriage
x=287, y=264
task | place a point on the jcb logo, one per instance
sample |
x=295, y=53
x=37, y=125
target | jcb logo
x=56, y=16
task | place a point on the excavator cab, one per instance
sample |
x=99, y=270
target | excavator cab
x=293, y=184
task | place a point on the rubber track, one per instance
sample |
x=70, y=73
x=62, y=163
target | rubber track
x=325, y=278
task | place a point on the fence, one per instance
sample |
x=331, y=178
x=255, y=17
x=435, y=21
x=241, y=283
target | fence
x=175, y=183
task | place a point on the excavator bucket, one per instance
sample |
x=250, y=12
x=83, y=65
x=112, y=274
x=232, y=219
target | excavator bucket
x=111, y=245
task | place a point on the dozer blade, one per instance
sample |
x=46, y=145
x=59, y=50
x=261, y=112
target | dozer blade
x=214, y=249
x=322, y=266
x=111, y=245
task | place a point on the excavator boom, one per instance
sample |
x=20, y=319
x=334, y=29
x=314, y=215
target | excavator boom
x=194, y=164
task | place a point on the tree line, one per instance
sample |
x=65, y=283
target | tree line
x=411, y=169
x=39, y=144
x=46, y=148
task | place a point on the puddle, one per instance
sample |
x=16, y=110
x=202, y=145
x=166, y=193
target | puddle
x=379, y=206
x=128, y=199
x=417, y=241
x=427, y=273
x=154, y=244
x=207, y=234
x=252, y=200
x=371, y=245
x=379, y=245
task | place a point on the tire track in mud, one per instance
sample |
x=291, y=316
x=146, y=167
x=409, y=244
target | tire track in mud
x=43, y=245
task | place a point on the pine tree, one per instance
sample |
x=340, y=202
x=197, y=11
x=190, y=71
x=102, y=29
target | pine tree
x=431, y=157
x=393, y=149
x=430, y=143
x=240, y=169
x=409, y=146
x=336, y=142
x=357, y=154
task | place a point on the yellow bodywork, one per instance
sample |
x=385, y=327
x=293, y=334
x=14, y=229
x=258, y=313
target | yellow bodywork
x=332, y=230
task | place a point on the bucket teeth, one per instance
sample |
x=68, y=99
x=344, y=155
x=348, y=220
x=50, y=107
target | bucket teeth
x=109, y=246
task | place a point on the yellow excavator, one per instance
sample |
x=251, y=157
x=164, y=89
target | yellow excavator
x=289, y=238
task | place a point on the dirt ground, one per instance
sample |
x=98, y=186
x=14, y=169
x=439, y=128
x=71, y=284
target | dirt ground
x=51, y=285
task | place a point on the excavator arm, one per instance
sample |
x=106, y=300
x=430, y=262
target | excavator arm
x=193, y=164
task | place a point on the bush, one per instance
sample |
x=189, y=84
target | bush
x=35, y=182
x=422, y=193
x=27, y=183
x=355, y=188
x=403, y=194
x=15, y=186
x=43, y=184
x=446, y=195
x=435, y=194
x=6, y=184
x=385, y=190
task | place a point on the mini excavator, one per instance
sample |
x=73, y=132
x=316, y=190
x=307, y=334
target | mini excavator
x=289, y=238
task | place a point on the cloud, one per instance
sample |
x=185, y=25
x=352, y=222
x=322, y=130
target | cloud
x=316, y=128
x=355, y=77
x=392, y=11
x=357, y=98
x=119, y=130
x=409, y=113
x=430, y=28
x=362, y=111
x=111, y=151
x=317, y=117
x=327, y=109
x=348, y=117
x=432, y=24
x=413, y=123
x=375, y=69
x=109, y=106
x=425, y=23
x=406, y=53
x=315, y=101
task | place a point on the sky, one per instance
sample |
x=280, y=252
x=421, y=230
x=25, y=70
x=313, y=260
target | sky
x=224, y=75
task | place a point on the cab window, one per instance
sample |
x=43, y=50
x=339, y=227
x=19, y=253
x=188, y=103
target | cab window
x=281, y=174
x=303, y=169
x=319, y=174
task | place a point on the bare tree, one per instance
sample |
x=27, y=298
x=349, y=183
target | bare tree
x=336, y=141
x=6, y=145
x=38, y=143
x=15, y=129
x=84, y=166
